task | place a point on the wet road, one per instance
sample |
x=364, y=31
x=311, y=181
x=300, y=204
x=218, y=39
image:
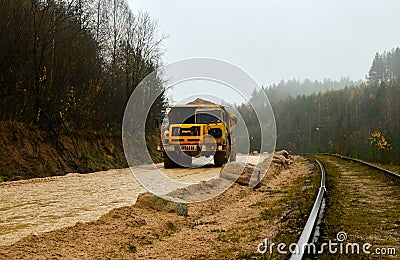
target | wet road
x=41, y=205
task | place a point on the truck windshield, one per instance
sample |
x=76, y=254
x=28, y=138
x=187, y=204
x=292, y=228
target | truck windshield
x=208, y=117
x=181, y=115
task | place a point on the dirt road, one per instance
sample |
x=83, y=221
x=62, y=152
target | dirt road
x=41, y=205
x=229, y=226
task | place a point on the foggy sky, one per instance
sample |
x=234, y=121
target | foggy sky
x=280, y=39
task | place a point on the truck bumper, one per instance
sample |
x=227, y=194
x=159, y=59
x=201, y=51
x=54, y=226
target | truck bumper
x=194, y=148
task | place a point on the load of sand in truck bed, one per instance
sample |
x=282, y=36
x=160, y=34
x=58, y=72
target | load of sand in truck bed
x=199, y=101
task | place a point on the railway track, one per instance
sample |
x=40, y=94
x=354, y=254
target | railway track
x=361, y=219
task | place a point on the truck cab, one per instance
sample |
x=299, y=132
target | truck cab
x=198, y=130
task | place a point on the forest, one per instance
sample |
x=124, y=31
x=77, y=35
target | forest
x=72, y=64
x=361, y=120
x=295, y=87
x=67, y=69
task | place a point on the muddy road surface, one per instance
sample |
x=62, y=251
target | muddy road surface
x=41, y=205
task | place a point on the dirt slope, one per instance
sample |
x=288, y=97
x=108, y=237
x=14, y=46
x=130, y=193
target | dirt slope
x=27, y=152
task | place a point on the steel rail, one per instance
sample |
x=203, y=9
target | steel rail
x=397, y=175
x=308, y=230
x=366, y=163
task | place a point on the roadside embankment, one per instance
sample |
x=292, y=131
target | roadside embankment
x=28, y=152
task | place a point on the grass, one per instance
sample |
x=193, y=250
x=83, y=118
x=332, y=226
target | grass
x=51, y=168
x=230, y=236
x=217, y=230
x=155, y=155
x=171, y=226
x=200, y=223
x=364, y=216
x=272, y=213
x=271, y=191
x=132, y=247
x=391, y=167
x=86, y=157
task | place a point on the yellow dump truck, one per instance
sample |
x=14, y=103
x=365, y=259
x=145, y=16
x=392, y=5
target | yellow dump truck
x=198, y=130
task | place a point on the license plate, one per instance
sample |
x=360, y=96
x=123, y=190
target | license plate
x=188, y=147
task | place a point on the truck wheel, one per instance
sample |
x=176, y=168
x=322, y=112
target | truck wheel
x=219, y=158
x=185, y=161
x=168, y=162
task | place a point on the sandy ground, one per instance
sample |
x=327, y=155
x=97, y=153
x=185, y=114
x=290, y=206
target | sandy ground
x=41, y=205
x=228, y=226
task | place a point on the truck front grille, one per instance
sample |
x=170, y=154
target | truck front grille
x=186, y=131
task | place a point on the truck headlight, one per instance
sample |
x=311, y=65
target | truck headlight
x=170, y=148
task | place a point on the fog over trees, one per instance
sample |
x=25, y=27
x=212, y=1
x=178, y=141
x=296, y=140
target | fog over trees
x=361, y=120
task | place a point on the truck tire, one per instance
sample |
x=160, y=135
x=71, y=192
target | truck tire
x=219, y=158
x=174, y=160
x=184, y=161
x=168, y=162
